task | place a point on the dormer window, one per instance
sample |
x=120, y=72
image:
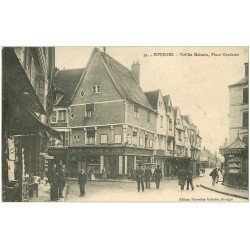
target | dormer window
x=96, y=89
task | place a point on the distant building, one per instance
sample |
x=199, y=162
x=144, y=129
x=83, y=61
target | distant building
x=236, y=151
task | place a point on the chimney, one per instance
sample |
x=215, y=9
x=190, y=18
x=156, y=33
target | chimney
x=246, y=69
x=135, y=68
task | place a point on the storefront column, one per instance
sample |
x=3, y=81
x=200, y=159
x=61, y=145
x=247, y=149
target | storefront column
x=101, y=163
x=134, y=162
x=120, y=164
x=126, y=164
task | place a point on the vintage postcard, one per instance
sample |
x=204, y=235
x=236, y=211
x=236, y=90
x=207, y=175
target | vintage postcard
x=125, y=124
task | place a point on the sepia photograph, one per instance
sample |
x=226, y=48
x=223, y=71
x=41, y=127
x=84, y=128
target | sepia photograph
x=125, y=124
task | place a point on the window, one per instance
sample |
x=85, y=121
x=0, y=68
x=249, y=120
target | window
x=161, y=121
x=179, y=135
x=160, y=103
x=169, y=109
x=66, y=139
x=104, y=139
x=170, y=124
x=177, y=121
x=245, y=95
x=90, y=136
x=82, y=93
x=96, y=89
x=74, y=137
x=140, y=141
x=146, y=141
x=151, y=143
x=136, y=111
x=129, y=139
x=89, y=110
x=72, y=116
x=135, y=138
x=78, y=137
x=186, y=152
x=53, y=118
x=61, y=115
x=245, y=119
x=118, y=138
x=148, y=116
x=169, y=145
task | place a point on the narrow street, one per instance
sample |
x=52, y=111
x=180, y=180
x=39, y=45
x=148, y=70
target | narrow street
x=127, y=191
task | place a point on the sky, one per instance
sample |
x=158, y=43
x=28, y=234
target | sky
x=197, y=84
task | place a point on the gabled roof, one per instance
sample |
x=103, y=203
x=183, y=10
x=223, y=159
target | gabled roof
x=242, y=81
x=175, y=110
x=66, y=82
x=125, y=81
x=122, y=78
x=153, y=97
x=166, y=100
x=186, y=118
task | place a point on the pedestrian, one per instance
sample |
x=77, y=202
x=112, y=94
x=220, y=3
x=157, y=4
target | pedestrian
x=53, y=180
x=91, y=174
x=190, y=179
x=182, y=178
x=139, y=176
x=61, y=180
x=104, y=175
x=214, y=174
x=157, y=176
x=82, y=179
x=148, y=176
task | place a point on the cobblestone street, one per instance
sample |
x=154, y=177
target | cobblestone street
x=127, y=191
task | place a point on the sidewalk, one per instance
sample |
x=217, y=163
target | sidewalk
x=231, y=191
x=44, y=194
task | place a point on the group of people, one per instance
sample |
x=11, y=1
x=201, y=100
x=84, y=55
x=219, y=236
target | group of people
x=56, y=179
x=186, y=177
x=143, y=174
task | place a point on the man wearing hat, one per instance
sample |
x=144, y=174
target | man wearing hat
x=157, y=176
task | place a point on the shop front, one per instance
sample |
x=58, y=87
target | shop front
x=60, y=157
x=116, y=162
x=160, y=159
x=22, y=132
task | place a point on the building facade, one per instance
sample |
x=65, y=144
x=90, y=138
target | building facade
x=107, y=123
x=28, y=75
x=236, y=151
x=111, y=122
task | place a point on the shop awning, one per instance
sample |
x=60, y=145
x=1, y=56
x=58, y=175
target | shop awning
x=48, y=129
x=16, y=83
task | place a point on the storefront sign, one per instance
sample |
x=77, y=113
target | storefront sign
x=59, y=124
x=11, y=148
x=233, y=171
x=11, y=167
x=57, y=151
x=96, y=151
x=138, y=152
